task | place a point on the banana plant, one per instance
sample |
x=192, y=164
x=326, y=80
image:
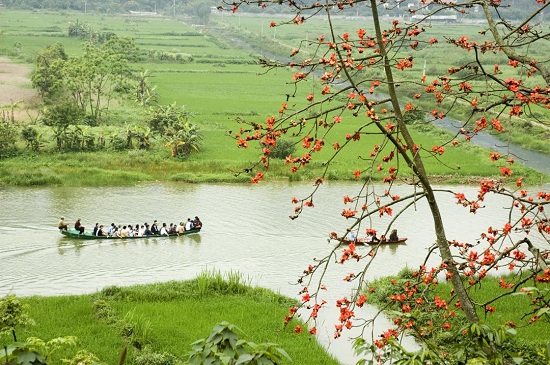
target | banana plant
x=145, y=94
x=143, y=136
x=185, y=140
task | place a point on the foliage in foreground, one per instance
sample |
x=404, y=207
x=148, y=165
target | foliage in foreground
x=431, y=315
x=224, y=346
x=157, y=324
x=13, y=314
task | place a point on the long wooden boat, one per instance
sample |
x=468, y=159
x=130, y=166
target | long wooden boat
x=89, y=235
x=365, y=241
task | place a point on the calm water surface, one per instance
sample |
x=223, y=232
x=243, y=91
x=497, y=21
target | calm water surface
x=246, y=229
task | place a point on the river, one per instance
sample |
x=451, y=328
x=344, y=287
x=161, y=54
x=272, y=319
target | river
x=534, y=159
x=246, y=230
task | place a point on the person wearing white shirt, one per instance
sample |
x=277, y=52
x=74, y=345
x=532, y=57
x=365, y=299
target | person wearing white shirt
x=163, y=230
x=188, y=225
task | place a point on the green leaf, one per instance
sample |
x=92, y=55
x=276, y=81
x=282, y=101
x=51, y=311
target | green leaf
x=475, y=329
x=244, y=358
x=476, y=361
x=267, y=361
x=215, y=338
x=232, y=338
x=30, y=358
x=284, y=353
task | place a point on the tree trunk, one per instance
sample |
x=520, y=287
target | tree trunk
x=418, y=168
x=509, y=50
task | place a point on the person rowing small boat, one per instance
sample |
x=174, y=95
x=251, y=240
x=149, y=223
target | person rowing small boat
x=394, y=236
x=371, y=238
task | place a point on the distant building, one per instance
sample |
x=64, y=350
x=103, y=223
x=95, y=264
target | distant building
x=145, y=13
x=415, y=4
x=436, y=18
x=429, y=5
x=428, y=2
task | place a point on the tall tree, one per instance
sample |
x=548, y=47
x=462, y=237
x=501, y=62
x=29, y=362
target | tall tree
x=47, y=76
x=201, y=9
x=373, y=110
x=100, y=74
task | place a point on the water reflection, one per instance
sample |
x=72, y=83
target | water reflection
x=68, y=245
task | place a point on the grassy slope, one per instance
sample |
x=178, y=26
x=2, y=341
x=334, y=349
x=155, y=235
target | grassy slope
x=179, y=314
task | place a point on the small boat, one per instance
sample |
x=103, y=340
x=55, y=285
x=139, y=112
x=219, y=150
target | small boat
x=73, y=233
x=366, y=241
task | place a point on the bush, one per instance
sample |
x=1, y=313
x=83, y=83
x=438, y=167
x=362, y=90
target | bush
x=62, y=115
x=30, y=135
x=7, y=139
x=283, y=148
x=225, y=346
x=148, y=357
x=414, y=116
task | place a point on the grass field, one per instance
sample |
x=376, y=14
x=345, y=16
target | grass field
x=431, y=60
x=213, y=72
x=168, y=318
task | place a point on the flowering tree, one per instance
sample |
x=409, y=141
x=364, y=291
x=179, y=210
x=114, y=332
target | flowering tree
x=359, y=72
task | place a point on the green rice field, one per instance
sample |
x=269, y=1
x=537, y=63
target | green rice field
x=213, y=72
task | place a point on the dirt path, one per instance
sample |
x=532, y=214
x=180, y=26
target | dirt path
x=15, y=86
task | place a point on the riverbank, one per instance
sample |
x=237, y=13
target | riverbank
x=161, y=321
x=110, y=168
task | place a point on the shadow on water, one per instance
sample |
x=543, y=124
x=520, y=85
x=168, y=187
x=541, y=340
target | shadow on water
x=193, y=239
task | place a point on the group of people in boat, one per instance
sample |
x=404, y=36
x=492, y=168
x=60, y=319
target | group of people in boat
x=137, y=230
x=371, y=237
